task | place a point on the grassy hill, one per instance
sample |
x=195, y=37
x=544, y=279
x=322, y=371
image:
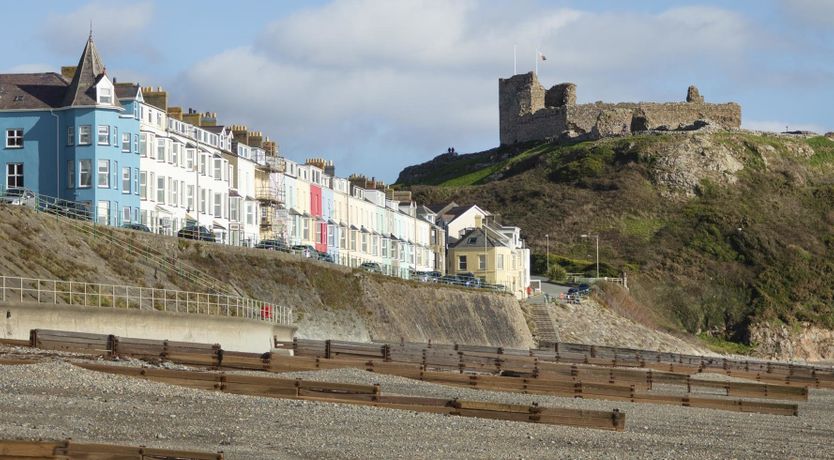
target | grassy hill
x=717, y=231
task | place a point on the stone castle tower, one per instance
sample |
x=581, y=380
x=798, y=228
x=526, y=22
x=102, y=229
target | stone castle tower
x=528, y=112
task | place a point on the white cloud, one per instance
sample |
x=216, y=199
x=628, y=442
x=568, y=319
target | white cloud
x=780, y=126
x=116, y=27
x=419, y=76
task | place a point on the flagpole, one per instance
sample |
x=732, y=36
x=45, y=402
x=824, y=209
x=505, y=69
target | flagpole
x=515, y=59
x=537, y=62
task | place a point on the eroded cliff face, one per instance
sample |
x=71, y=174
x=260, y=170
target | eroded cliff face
x=802, y=342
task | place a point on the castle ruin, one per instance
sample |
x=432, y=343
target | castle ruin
x=528, y=112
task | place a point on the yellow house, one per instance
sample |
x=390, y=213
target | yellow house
x=488, y=257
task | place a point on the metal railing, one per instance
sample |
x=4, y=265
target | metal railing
x=79, y=293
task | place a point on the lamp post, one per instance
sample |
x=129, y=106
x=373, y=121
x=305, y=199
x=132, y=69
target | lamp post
x=597, y=244
x=547, y=252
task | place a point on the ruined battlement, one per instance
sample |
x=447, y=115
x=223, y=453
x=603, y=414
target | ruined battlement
x=528, y=112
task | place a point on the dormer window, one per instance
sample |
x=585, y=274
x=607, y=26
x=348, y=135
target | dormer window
x=105, y=95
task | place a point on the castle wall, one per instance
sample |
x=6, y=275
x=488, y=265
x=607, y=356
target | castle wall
x=527, y=112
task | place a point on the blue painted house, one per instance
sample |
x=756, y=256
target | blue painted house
x=68, y=136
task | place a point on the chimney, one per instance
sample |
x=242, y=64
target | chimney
x=192, y=117
x=156, y=97
x=175, y=112
x=330, y=169
x=317, y=162
x=240, y=134
x=68, y=71
x=208, y=119
x=256, y=139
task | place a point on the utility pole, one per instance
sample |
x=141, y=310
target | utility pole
x=547, y=252
x=597, y=245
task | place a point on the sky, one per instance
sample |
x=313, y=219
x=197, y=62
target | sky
x=378, y=85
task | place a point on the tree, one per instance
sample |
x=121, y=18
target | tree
x=557, y=274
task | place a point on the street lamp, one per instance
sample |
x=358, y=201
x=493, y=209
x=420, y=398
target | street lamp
x=597, y=241
x=547, y=251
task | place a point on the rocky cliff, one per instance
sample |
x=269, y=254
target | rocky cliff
x=718, y=230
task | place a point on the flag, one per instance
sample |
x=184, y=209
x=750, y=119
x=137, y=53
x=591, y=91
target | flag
x=541, y=55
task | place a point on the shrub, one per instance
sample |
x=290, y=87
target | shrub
x=557, y=274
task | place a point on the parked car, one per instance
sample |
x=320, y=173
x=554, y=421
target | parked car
x=426, y=277
x=17, y=196
x=194, y=232
x=469, y=279
x=305, y=250
x=452, y=279
x=71, y=209
x=371, y=267
x=583, y=289
x=274, y=245
x=138, y=227
x=325, y=257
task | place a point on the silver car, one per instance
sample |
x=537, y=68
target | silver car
x=20, y=197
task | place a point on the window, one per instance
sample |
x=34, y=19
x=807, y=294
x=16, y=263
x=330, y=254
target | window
x=84, y=133
x=318, y=233
x=233, y=209
x=135, y=181
x=202, y=160
x=472, y=241
x=103, y=173
x=103, y=135
x=115, y=170
x=85, y=173
x=175, y=193
x=126, y=215
x=306, y=230
x=175, y=153
x=250, y=214
x=105, y=95
x=203, y=200
x=218, y=168
x=343, y=239
x=103, y=212
x=461, y=262
x=353, y=240
x=143, y=144
x=482, y=262
x=150, y=151
x=160, y=149
x=126, y=181
x=189, y=159
x=70, y=135
x=71, y=174
x=218, y=208
x=499, y=262
x=115, y=136
x=14, y=138
x=160, y=189
x=365, y=243
x=126, y=142
x=190, y=197
x=143, y=185
x=14, y=175
x=135, y=143
x=385, y=247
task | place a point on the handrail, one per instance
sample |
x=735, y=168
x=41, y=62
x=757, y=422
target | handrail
x=80, y=293
x=80, y=218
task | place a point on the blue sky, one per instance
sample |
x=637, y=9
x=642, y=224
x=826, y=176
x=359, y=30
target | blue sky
x=378, y=85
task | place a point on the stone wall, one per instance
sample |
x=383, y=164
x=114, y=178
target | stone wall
x=527, y=112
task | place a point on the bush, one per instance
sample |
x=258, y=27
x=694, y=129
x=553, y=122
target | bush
x=557, y=274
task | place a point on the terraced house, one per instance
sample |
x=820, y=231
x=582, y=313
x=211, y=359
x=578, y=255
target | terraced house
x=122, y=151
x=68, y=136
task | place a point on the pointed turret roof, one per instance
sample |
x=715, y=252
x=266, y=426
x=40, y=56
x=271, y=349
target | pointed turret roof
x=89, y=72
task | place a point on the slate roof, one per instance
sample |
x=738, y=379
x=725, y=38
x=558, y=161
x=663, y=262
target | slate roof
x=126, y=90
x=213, y=129
x=32, y=91
x=474, y=238
x=88, y=73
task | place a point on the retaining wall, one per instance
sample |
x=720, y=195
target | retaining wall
x=233, y=334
